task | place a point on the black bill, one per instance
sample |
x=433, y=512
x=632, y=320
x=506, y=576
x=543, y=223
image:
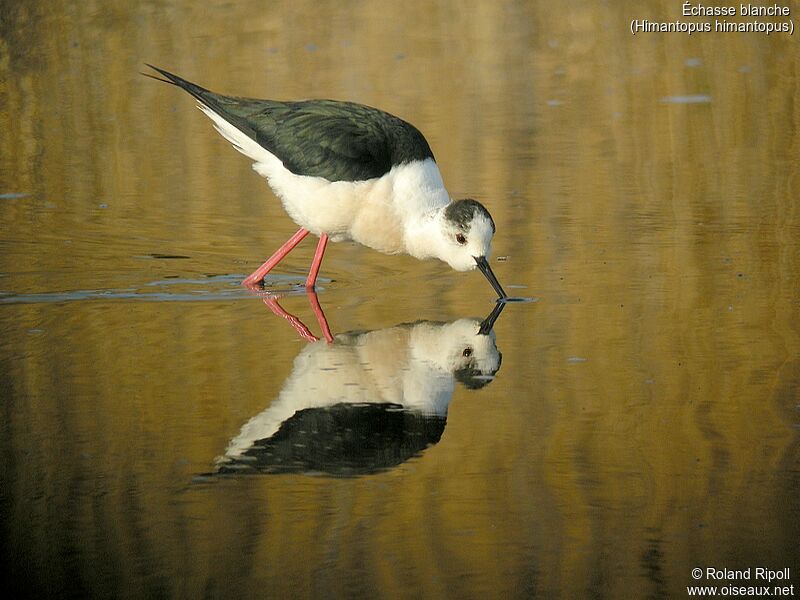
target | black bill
x=487, y=271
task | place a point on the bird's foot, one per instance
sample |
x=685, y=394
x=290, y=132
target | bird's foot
x=254, y=283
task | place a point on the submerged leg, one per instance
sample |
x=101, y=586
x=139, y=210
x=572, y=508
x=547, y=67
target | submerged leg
x=315, y=264
x=256, y=276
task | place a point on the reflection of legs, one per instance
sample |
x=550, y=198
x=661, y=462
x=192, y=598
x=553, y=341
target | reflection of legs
x=321, y=320
x=315, y=264
x=271, y=300
x=256, y=276
x=298, y=325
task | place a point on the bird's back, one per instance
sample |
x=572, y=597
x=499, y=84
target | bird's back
x=335, y=140
x=339, y=141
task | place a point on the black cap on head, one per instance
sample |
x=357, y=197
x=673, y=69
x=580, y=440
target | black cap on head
x=461, y=212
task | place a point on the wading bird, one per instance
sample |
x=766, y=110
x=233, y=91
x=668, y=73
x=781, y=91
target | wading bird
x=346, y=171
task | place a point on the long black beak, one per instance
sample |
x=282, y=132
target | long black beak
x=487, y=271
x=488, y=322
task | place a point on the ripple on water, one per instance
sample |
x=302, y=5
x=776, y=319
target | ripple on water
x=517, y=299
x=217, y=287
x=688, y=99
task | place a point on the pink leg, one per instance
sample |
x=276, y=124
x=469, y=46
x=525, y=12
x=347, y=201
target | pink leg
x=321, y=320
x=256, y=276
x=315, y=264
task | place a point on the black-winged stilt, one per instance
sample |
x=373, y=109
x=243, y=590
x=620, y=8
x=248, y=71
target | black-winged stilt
x=346, y=171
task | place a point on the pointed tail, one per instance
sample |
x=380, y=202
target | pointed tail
x=209, y=101
x=195, y=90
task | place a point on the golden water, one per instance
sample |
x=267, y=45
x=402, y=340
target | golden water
x=645, y=418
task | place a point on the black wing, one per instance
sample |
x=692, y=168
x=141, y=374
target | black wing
x=340, y=141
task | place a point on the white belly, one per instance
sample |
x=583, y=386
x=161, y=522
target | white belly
x=377, y=213
x=361, y=211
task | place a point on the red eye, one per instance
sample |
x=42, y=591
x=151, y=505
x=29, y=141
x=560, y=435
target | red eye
x=460, y=238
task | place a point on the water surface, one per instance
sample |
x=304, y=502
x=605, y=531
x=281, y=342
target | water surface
x=644, y=419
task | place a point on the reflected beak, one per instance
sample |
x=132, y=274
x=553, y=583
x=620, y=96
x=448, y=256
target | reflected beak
x=488, y=322
x=487, y=271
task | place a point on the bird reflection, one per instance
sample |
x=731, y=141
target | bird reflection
x=360, y=403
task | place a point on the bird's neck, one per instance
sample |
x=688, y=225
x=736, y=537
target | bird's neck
x=422, y=234
x=420, y=196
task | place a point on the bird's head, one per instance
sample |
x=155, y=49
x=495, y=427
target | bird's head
x=467, y=230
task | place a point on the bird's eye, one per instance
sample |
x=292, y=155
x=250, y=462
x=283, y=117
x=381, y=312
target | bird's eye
x=467, y=352
x=460, y=238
